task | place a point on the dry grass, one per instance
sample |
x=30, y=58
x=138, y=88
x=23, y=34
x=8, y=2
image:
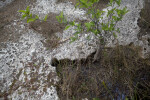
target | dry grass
x=121, y=71
x=49, y=29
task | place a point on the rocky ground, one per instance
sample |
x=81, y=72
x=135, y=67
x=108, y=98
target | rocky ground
x=26, y=50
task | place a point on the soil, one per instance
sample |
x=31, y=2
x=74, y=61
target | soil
x=8, y=14
x=48, y=29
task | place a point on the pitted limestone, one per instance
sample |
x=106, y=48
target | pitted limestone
x=5, y=2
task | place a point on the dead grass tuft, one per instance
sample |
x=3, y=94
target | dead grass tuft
x=120, y=72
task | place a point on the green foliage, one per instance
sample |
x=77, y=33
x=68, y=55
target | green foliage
x=96, y=99
x=95, y=26
x=26, y=14
x=45, y=18
x=61, y=18
x=68, y=26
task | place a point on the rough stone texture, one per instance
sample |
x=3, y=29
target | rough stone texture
x=78, y=49
x=128, y=26
x=25, y=70
x=46, y=6
x=5, y=2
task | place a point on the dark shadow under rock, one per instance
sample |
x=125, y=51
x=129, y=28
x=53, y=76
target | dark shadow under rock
x=144, y=20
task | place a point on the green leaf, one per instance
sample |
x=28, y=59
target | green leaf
x=45, y=17
x=89, y=25
x=126, y=98
x=31, y=15
x=65, y=20
x=37, y=17
x=28, y=10
x=99, y=13
x=23, y=16
x=57, y=17
x=125, y=10
x=67, y=27
x=61, y=18
x=72, y=23
x=94, y=1
x=76, y=33
x=111, y=28
x=30, y=20
x=115, y=18
x=118, y=2
x=96, y=99
x=105, y=27
x=104, y=85
x=118, y=30
x=61, y=15
x=23, y=11
x=115, y=36
x=83, y=1
x=73, y=39
x=77, y=4
x=89, y=4
x=95, y=32
x=111, y=1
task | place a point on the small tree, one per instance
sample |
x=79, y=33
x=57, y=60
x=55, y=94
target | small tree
x=103, y=29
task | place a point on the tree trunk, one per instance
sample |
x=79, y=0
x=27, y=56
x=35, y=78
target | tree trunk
x=98, y=53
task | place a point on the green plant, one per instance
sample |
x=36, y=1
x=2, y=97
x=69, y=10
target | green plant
x=96, y=99
x=102, y=29
x=26, y=14
x=97, y=25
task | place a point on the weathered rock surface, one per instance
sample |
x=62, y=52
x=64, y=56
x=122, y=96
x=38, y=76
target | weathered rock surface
x=4, y=2
x=25, y=70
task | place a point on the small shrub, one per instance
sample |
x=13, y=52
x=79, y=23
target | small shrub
x=102, y=29
x=96, y=25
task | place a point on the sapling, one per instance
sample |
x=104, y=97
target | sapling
x=26, y=14
x=99, y=26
